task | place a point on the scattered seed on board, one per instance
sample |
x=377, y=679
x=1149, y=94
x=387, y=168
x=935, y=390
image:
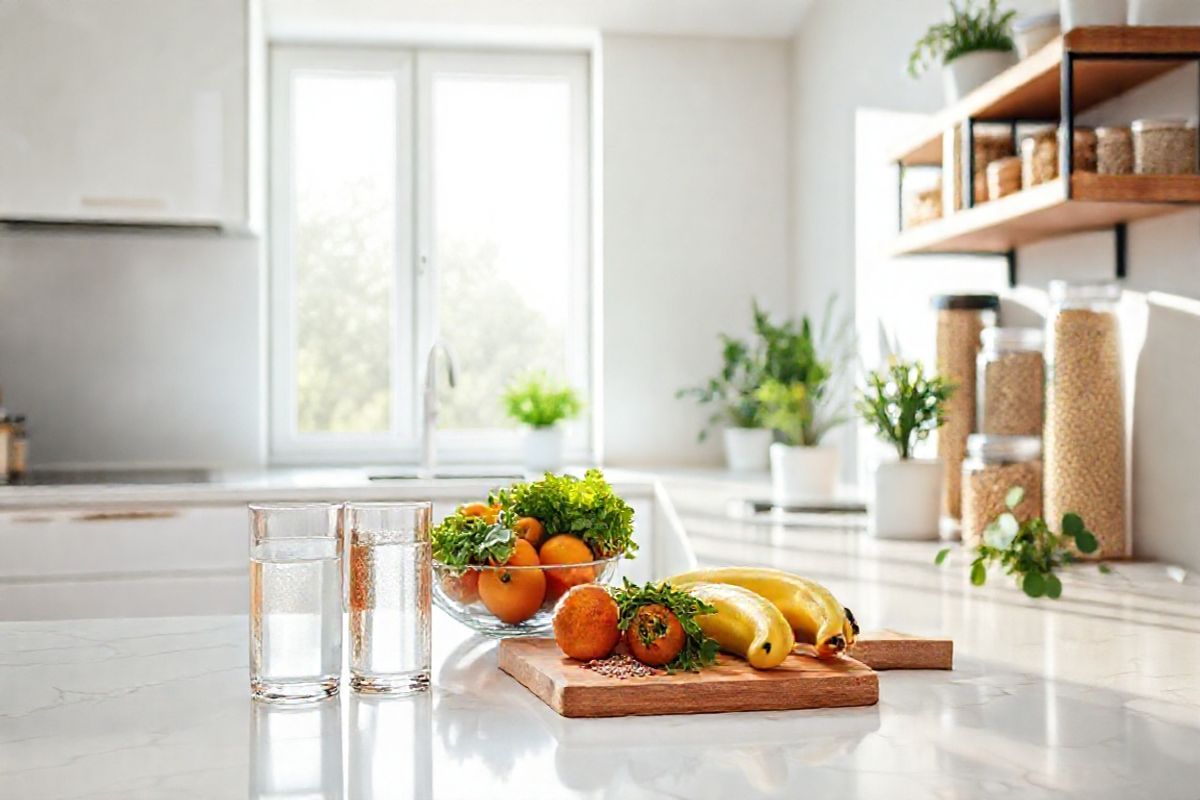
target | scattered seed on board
x=619, y=666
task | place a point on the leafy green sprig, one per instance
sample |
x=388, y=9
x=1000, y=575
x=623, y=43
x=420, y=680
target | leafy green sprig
x=460, y=541
x=1029, y=551
x=698, y=650
x=969, y=29
x=903, y=404
x=587, y=507
x=539, y=402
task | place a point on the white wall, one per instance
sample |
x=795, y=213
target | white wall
x=696, y=210
x=132, y=348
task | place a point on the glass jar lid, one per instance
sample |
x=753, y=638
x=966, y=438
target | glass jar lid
x=1003, y=339
x=965, y=302
x=1083, y=292
x=1166, y=123
x=992, y=448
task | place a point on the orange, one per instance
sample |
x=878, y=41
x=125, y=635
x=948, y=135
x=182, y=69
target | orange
x=585, y=623
x=489, y=513
x=566, y=548
x=514, y=595
x=654, y=636
x=464, y=588
x=530, y=529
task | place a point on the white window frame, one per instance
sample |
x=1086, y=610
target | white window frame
x=415, y=258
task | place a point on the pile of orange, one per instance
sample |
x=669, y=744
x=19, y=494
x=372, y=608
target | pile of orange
x=514, y=595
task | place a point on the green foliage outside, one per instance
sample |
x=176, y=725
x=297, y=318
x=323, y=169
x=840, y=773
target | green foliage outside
x=537, y=401
x=343, y=311
x=1029, y=551
x=903, y=404
x=970, y=29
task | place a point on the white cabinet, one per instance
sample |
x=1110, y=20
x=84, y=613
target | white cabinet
x=125, y=111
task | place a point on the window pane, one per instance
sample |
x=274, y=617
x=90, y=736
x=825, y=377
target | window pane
x=344, y=178
x=502, y=206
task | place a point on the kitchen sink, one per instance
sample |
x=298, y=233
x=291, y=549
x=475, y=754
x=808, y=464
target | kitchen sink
x=460, y=473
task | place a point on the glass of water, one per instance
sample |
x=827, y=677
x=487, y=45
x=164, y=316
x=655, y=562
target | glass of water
x=389, y=583
x=295, y=602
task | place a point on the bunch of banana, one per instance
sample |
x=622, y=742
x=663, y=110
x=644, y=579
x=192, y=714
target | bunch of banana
x=745, y=624
x=814, y=614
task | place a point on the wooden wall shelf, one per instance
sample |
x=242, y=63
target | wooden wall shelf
x=1031, y=89
x=1043, y=212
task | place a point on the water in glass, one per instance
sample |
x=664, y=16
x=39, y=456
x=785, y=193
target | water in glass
x=295, y=615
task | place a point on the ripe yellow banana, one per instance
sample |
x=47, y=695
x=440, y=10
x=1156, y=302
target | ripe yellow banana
x=745, y=624
x=813, y=612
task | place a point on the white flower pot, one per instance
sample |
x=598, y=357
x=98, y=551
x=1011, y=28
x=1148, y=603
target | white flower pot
x=803, y=474
x=907, y=499
x=970, y=71
x=746, y=449
x=544, y=449
x=1082, y=13
x=1164, y=12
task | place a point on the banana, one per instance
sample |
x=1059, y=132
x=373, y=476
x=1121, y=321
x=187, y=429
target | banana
x=745, y=624
x=813, y=612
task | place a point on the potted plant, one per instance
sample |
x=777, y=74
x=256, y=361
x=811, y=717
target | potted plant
x=542, y=404
x=974, y=46
x=905, y=406
x=802, y=400
x=732, y=391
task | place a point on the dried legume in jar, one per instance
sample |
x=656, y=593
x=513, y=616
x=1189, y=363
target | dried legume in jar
x=1085, y=413
x=993, y=467
x=1012, y=378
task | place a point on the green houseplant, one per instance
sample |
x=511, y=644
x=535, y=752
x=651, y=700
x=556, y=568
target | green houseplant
x=803, y=397
x=973, y=45
x=732, y=395
x=535, y=400
x=904, y=406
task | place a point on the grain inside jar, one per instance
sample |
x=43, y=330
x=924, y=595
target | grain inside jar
x=1114, y=151
x=995, y=465
x=961, y=318
x=1011, y=377
x=1085, y=413
x=1164, y=147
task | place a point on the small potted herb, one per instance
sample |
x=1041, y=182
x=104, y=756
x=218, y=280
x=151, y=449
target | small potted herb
x=974, y=45
x=542, y=404
x=802, y=400
x=905, y=406
x=732, y=393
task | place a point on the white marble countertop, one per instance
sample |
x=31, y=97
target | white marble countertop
x=1096, y=695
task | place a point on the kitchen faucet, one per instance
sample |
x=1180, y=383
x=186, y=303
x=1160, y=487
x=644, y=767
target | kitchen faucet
x=430, y=406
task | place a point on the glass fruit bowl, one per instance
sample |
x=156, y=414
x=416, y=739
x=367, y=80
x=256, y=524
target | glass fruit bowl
x=512, y=601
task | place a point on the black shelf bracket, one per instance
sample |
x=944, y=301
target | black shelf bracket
x=1121, y=244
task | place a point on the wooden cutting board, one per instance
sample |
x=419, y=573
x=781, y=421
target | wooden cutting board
x=882, y=650
x=730, y=685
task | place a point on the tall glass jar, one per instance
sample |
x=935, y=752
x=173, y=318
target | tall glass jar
x=1011, y=377
x=1085, y=412
x=993, y=467
x=960, y=320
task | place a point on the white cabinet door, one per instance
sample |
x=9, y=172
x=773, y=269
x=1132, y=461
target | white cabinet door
x=124, y=111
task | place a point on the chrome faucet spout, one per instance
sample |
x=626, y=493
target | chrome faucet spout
x=430, y=404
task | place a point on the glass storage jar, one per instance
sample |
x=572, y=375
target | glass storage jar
x=1039, y=156
x=992, y=141
x=1085, y=412
x=960, y=320
x=1004, y=177
x=1011, y=374
x=994, y=465
x=1114, y=150
x=1164, y=147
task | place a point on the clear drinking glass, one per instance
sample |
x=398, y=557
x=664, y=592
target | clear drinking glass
x=295, y=602
x=390, y=579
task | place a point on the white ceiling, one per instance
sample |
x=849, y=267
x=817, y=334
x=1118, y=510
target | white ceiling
x=738, y=18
